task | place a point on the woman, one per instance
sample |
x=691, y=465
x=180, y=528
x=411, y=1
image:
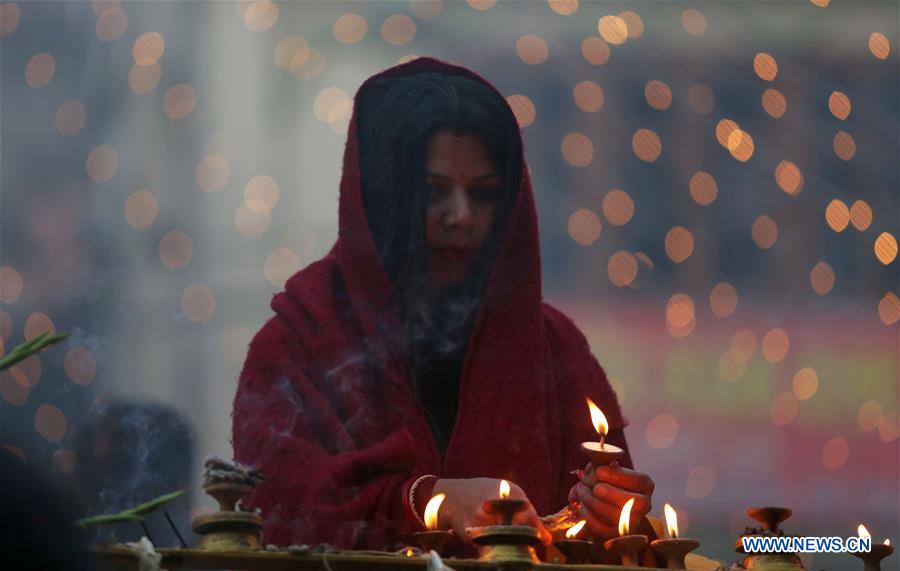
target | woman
x=417, y=357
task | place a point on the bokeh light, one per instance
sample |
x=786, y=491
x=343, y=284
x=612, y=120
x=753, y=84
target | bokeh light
x=622, y=268
x=101, y=163
x=646, y=145
x=886, y=248
x=179, y=101
x=291, y=52
x=889, y=308
x=837, y=215
x=260, y=15
x=784, y=408
x=198, y=303
x=261, y=194
x=281, y=265
x=889, y=427
x=588, y=96
x=481, y=5
x=701, y=482
x=869, y=415
x=724, y=129
x=532, y=49
x=861, y=215
x=38, y=323
x=743, y=342
x=775, y=345
x=764, y=232
x=740, y=145
x=595, y=50
x=350, y=28
x=839, y=104
x=789, y=177
x=774, y=103
x=732, y=365
x=805, y=383
x=71, y=117
x=634, y=23
x=680, y=315
x=879, y=45
x=10, y=286
x=704, y=189
x=311, y=68
x=398, y=30
x=27, y=372
x=111, y=24
x=251, y=224
x=821, y=278
x=176, y=250
x=80, y=366
x=577, y=149
x=844, y=145
x=9, y=18
x=148, y=48
x=618, y=207
x=141, y=209
x=50, y=422
x=584, y=227
x=426, y=9
x=144, y=78
x=765, y=66
x=213, y=172
x=11, y=391
x=523, y=108
x=332, y=105
x=723, y=299
x=63, y=460
x=6, y=325
x=100, y=6
x=694, y=22
x=40, y=69
x=658, y=95
x=835, y=453
x=662, y=430
x=563, y=7
x=613, y=29
x=701, y=98
x=679, y=244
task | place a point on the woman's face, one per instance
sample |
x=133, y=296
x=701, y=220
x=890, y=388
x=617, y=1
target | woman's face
x=464, y=190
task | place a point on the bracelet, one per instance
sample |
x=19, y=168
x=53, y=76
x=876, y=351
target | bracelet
x=412, y=498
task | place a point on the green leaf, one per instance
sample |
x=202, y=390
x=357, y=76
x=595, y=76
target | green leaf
x=108, y=518
x=155, y=503
x=29, y=348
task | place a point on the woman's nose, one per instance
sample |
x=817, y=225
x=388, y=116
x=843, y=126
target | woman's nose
x=459, y=210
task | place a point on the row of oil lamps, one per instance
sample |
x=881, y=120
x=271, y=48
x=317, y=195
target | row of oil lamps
x=516, y=542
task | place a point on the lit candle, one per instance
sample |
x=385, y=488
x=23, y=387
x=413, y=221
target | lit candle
x=673, y=549
x=600, y=453
x=872, y=559
x=434, y=538
x=576, y=551
x=627, y=547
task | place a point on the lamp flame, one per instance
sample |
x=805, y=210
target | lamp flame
x=671, y=521
x=573, y=531
x=431, y=511
x=887, y=541
x=598, y=419
x=409, y=552
x=862, y=532
x=625, y=517
x=504, y=489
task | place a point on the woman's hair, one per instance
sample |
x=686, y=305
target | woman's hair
x=397, y=116
x=395, y=119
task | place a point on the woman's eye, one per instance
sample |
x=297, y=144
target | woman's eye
x=485, y=194
x=433, y=192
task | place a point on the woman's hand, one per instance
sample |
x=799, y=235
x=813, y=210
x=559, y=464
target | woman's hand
x=603, y=492
x=464, y=506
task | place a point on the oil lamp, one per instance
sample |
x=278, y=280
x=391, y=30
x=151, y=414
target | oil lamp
x=673, y=549
x=627, y=547
x=600, y=453
x=505, y=542
x=769, y=518
x=575, y=550
x=872, y=558
x=433, y=539
x=231, y=527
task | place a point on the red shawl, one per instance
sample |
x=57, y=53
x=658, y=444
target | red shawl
x=329, y=417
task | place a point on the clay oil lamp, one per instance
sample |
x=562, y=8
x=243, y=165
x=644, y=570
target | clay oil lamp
x=872, y=558
x=673, y=549
x=505, y=542
x=433, y=539
x=576, y=551
x=600, y=453
x=627, y=547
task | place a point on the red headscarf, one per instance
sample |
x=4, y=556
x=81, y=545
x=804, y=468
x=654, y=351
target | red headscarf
x=326, y=412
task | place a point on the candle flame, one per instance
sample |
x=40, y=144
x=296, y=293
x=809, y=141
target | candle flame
x=598, y=419
x=573, y=531
x=862, y=532
x=625, y=517
x=887, y=541
x=431, y=511
x=671, y=521
x=409, y=552
x=504, y=489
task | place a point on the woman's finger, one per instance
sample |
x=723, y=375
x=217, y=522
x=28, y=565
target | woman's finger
x=618, y=497
x=605, y=512
x=624, y=478
x=531, y=518
x=595, y=526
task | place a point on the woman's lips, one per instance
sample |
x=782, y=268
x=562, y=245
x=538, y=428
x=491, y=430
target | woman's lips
x=459, y=255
